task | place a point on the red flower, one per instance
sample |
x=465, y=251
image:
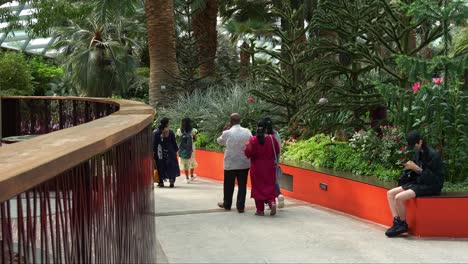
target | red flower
x=438, y=80
x=438, y=147
x=250, y=99
x=416, y=86
x=401, y=149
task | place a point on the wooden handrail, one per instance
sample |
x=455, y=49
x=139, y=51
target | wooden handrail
x=26, y=164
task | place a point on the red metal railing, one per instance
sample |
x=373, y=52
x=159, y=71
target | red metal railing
x=98, y=211
x=41, y=115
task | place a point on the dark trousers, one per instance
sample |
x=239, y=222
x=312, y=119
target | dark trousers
x=229, y=182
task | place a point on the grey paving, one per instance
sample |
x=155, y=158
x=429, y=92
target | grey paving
x=190, y=229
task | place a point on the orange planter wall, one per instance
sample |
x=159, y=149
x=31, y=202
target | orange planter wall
x=427, y=217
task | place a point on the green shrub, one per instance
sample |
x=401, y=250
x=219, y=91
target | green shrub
x=455, y=187
x=138, y=85
x=15, y=76
x=43, y=73
x=210, y=109
x=345, y=157
x=388, y=150
x=311, y=150
x=321, y=151
x=440, y=114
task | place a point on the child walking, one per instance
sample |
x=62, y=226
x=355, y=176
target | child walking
x=187, y=161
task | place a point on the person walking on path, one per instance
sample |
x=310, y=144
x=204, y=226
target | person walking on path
x=165, y=153
x=261, y=150
x=188, y=136
x=269, y=130
x=426, y=171
x=236, y=164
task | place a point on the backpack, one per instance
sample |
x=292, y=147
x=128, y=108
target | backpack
x=185, y=147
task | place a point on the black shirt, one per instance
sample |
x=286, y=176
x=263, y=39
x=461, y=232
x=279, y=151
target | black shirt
x=433, y=171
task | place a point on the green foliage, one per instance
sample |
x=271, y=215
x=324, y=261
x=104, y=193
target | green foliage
x=227, y=60
x=204, y=141
x=138, y=86
x=441, y=115
x=455, y=187
x=49, y=14
x=44, y=73
x=287, y=80
x=15, y=75
x=314, y=151
x=357, y=156
x=388, y=150
x=340, y=80
x=97, y=57
x=210, y=109
x=188, y=55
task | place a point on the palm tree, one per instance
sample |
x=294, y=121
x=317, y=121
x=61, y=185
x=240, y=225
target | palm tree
x=204, y=27
x=248, y=32
x=160, y=26
x=97, y=54
x=247, y=21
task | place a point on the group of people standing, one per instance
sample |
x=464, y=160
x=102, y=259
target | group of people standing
x=260, y=154
x=424, y=174
x=165, y=150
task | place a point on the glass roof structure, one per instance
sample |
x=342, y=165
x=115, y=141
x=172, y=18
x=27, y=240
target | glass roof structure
x=19, y=39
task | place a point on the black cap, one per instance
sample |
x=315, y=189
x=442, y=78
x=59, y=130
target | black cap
x=413, y=138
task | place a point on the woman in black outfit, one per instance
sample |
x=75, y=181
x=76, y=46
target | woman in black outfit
x=427, y=170
x=165, y=153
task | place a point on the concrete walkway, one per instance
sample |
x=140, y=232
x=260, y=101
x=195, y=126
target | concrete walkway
x=191, y=229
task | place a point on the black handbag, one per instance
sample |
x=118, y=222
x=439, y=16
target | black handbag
x=407, y=176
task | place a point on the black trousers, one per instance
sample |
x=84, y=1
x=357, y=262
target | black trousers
x=229, y=183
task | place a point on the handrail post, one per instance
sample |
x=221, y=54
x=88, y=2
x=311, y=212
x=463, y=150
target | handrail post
x=1, y=121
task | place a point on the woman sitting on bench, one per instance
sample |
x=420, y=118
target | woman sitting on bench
x=424, y=177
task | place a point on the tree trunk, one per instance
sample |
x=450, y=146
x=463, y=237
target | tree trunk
x=204, y=27
x=244, y=61
x=161, y=45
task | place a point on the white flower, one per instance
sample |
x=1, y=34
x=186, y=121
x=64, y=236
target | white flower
x=323, y=100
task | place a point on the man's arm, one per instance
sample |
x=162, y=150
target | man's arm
x=222, y=139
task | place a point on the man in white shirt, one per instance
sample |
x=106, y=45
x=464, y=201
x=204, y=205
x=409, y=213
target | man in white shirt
x=236, y=164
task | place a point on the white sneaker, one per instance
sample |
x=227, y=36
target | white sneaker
x=187, y=180
x=280, y=201
x=194, y=177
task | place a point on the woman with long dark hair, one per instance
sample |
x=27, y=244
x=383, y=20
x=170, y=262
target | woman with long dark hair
x=165, y=153
x=188, y=136
x=270, y=131
x=261, y=150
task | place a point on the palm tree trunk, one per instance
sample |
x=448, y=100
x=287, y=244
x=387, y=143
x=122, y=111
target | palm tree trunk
x=160, y=26
x=204, y=27
x=244, y=61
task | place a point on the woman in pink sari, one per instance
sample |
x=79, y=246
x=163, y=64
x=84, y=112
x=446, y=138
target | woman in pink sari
x=261, y=151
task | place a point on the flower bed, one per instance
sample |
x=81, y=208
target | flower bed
x=439, y=216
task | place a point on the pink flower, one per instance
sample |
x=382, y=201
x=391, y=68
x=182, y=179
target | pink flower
x=438, y=80
x=250, y=100
x=416, y=86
